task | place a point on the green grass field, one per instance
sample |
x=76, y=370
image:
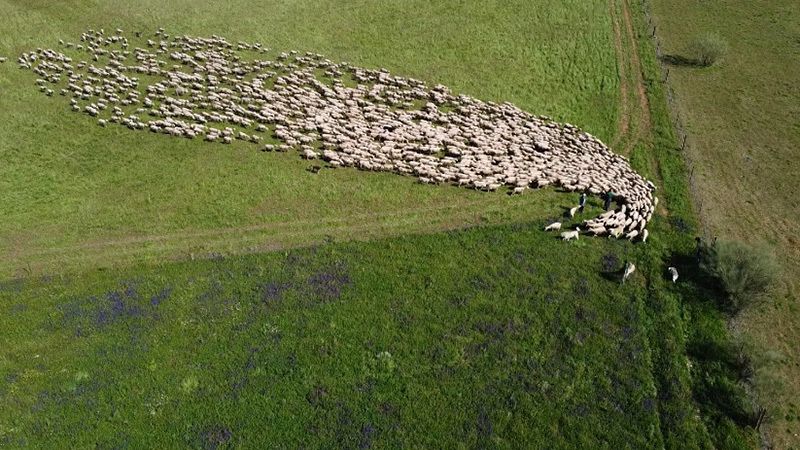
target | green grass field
x=477, y=337
x=162, y=293
x=744, y=134
x=97, y=196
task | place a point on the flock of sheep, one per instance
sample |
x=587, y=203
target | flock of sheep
x=203, y=88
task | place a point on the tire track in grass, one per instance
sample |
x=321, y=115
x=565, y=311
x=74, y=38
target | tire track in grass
x=644, y=120
x=623, y=122
x=264, y=236
x=631, y=80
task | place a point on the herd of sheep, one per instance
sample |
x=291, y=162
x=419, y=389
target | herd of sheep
x=205, y=88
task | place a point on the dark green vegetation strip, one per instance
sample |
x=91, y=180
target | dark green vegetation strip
x=741, y=117
x=702, y=400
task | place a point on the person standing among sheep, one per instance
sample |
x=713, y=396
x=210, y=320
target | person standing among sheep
x=609, y=195
x=582, y=202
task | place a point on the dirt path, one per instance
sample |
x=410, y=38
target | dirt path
x=623, y=124
x=644, y=119
x=631, y=82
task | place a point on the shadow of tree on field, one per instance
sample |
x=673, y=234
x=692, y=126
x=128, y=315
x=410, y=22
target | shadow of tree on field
x=721, y=365
x=680, y=61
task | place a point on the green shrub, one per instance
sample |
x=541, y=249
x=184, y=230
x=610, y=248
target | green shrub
x=707, y=49
x=744, y=273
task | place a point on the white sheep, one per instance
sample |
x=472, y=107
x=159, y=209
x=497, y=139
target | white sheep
x=645, y=233
x=555, y=226
x=598, y=231
x=572, y=211
x=569, y=235
x=629, y=269
x=674, y=273
x=616, y=232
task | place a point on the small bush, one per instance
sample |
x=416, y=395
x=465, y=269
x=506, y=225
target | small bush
x=744, y=273
x=707, y=49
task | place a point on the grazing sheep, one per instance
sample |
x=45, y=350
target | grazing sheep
x=629, y=269
x=673, y=273
x=572, y=211
x=205, y=87
x=569, y=235
x=616, y=232
x=555, y=226
x=645, y=233
x=598, y=230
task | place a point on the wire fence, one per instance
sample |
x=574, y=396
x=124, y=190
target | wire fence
x=684, y=139
x=759, y=414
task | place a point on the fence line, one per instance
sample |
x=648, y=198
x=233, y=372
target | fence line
x=684, y=139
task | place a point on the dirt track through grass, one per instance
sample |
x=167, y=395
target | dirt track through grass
x=623, y=122
x=634, y=121
x=269, y=236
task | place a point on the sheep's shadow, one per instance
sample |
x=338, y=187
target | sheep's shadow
x=613, y=275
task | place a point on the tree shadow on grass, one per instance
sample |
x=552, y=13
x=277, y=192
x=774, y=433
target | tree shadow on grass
x=696, y=285
x=680, y=61
x=724, y=364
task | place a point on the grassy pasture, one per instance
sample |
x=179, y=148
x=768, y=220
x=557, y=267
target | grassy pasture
x=91, y=196
x=744, y=134
x=476, y=337
x=493, y=336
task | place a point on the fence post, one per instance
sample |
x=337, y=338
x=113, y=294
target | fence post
x=762, y=412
